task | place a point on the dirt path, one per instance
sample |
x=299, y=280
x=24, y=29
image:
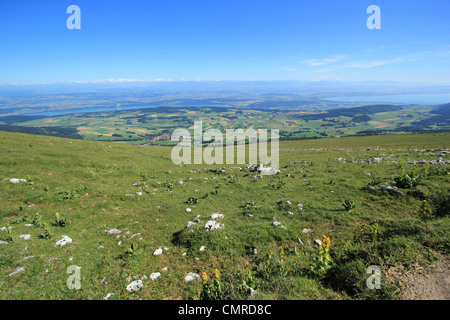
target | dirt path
x=431, y=283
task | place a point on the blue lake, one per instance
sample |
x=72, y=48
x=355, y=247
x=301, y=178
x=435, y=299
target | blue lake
x=420, y=99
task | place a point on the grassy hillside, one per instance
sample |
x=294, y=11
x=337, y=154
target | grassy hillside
x=91, y=184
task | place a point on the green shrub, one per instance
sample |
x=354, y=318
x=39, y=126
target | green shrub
x=349, y=205
x=59, y=221
x=441, y=205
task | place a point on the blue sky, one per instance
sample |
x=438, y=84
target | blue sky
x=224, y=40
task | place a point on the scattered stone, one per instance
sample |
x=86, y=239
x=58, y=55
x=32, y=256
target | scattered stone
x=392, y=190
x=139, y=193
x=25, y=236
x=212, y=225
x=258, y=176
x=28, y=225
x=191, y=276
x=305, y=230
x=370, y=189
x=188, y=209
x=155, y=275
x=251, y=292
x=290, y=213
x=276, y=224
x=3, y=242
x=190, y=223
x=112, y=231
x=215, y=216
x=109, y=295
x=135, y=286
x=157, y=252
x=134, y=235
x=202, y=248
x=14, y=180
x=16, y=270
x=65, y=240
x=318, y=242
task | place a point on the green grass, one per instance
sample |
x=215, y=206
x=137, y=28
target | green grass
x=87, y=182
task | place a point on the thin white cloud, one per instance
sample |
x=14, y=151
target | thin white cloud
x=288, y=69
x=322, y=62
x=379, y=63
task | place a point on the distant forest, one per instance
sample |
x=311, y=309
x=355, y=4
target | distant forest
x=62, y=132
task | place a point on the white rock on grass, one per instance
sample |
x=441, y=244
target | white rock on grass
x=3, y=242
x=157, y=252
x=14, y=180
x=188, y=209
x=65, y=240
x=212, y=225
x=202, y=248
x=113, y=231
x=135, y=286
x=155, y=275
x=276, y=224
x=16, y=270
x=109, y=295
x=25, y=236
x=217, y=215
x=191, y=276
x=190, y=223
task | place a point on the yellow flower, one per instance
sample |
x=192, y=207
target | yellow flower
x=204, y=277
x=326, y=242
x=216, y=274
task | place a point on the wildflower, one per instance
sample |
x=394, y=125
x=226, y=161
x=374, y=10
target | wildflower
x=216, y=274
x=204, y=277
x=326, y=243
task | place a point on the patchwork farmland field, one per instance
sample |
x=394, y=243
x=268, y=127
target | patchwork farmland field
x=140, y=126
